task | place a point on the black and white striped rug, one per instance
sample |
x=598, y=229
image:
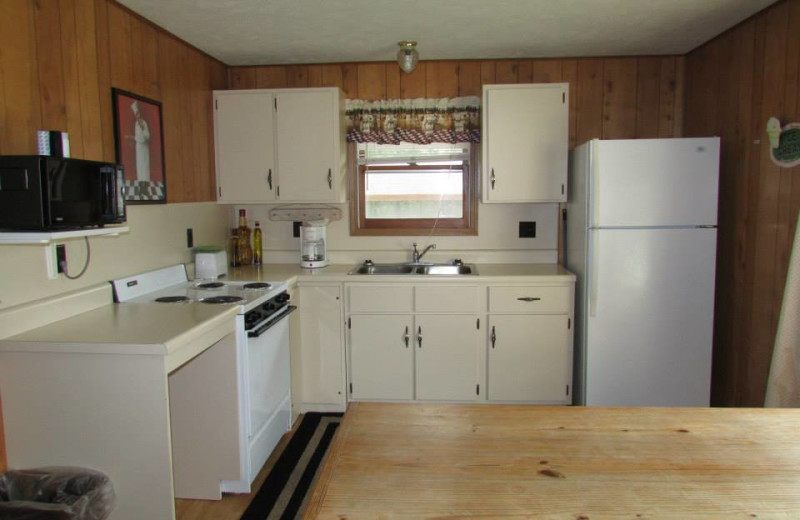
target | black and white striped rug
x=285, y=492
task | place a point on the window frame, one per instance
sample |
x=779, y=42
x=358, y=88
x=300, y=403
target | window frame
x=362, y=226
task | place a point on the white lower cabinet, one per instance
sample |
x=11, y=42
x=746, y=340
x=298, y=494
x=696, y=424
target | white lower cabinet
x=447, y=357
x=530, y=359
x=459, y=342
x=381, y=357
x=320, y=358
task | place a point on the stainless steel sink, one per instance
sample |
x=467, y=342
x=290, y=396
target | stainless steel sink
x=446, y=269
x=405, y=268
x=384, y=269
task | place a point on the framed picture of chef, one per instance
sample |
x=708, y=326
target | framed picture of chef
x=139, y=140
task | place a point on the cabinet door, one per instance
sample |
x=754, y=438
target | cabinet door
x=321, y=351
x=381, y=360
x=244, y=139
x=307, y=137
x=525, y=141
x=447, y=357
x=529, y=358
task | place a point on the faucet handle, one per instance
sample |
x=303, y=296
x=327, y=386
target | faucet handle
x=415, y=246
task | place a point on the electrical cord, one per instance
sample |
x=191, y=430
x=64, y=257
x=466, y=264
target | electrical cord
x=63, y=264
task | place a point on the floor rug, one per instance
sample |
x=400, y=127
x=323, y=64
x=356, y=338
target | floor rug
x=286, y=490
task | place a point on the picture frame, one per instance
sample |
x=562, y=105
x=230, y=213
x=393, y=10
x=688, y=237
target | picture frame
x=139, y=147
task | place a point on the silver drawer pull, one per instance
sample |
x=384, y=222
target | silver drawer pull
x=528, y=299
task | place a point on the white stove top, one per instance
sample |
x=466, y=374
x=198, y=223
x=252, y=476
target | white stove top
x=170, y=286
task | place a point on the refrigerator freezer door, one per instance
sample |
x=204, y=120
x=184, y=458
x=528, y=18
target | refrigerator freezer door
x=650, y=317
x=654, y=182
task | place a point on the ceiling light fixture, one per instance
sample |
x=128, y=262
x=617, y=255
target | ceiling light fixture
x=407, y=56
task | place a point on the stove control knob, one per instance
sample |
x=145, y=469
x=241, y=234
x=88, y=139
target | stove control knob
x=282, y=298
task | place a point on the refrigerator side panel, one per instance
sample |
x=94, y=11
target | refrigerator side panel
x=650, y=317
x=655, y=182
x=576, y=259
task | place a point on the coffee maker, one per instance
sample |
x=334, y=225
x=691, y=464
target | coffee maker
x=313, y=251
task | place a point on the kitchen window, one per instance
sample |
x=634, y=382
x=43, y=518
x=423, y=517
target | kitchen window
x=411, y=189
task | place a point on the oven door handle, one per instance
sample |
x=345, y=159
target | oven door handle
x=270, y=323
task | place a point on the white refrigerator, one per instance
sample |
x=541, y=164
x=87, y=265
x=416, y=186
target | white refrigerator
x=641, y=238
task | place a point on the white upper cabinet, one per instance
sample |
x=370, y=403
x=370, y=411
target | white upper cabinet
x=244, y=137
x=309, y=150
x=525, y=138
x=299, y=144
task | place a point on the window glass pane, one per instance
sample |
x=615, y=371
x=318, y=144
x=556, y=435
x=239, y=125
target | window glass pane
x=414, y=193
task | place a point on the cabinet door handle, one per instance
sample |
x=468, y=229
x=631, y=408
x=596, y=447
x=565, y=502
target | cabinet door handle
x=330, y=179
x=492, y=178
x=528, y=299
x=406, y=336
x=419, y=336
x=494, y=337
x=269, y=179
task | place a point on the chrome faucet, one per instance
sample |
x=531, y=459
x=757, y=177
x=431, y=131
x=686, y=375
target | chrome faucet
x=416, y=256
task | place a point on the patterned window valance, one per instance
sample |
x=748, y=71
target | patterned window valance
x=421, y=121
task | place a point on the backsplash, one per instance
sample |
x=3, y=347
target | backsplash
x=497, y=240
x=157, y=238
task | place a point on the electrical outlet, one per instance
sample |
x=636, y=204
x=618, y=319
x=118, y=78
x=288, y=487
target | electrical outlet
x=527, y=229
x=61, y=258
x=296, y=228
x=189, y=237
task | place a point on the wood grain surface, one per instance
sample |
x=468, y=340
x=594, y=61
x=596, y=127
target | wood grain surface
x=734, y=84
x=609, y=97
x=458, y=461
x=59, y=61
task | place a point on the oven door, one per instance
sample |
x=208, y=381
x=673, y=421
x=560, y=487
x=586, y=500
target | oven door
x=269, y=375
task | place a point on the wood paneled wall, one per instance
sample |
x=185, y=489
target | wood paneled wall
x=612, y=98
x=734, y=84
x=59, y=61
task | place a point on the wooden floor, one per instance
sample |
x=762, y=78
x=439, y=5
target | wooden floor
x=477, y=461
x=231, y=506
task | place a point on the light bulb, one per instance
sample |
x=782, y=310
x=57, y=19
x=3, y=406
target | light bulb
x=407, y=56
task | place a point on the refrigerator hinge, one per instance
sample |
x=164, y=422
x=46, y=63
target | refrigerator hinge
x=478, y=389
x=478, y=324
x=349, y=324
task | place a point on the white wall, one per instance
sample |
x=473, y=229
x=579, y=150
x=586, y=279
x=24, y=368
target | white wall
x=157, y=238
x=497, y=240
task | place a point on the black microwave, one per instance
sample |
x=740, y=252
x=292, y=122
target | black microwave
x=53, y=193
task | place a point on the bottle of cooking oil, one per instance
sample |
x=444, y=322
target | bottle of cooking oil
x=257, y=260
x=243, y=232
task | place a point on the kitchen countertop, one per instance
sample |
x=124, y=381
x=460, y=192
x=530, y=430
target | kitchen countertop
x=496, y=273
x=133, y=329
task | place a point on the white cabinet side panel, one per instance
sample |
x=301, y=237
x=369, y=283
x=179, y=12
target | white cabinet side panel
x=650, y=317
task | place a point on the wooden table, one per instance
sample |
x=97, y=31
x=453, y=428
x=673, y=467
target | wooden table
x=454, y=461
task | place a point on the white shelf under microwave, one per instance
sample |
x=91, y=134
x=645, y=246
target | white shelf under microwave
x=46, y=237
x=49, y=239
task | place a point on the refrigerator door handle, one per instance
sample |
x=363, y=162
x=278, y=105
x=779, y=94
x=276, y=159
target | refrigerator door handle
x=593, y=268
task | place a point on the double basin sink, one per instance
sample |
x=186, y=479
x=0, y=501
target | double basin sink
x=423, y=269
